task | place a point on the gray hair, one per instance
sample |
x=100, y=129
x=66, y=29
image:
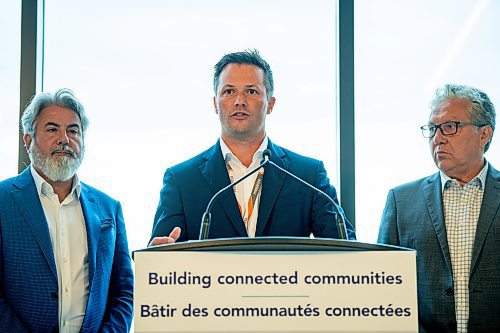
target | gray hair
x=63, y=97
x=482, y=111
x=248, y=57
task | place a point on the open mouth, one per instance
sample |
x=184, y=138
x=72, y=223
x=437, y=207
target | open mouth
x=240, y=115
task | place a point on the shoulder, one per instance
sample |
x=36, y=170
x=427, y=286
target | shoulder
x=298, y=158
x=309, y=169
x=294, y=159
x=22, y=180
x=7, y=183
x=492, y=185
x=416, y=185
x=6, y=187
x=493, y=172
x=195, y=162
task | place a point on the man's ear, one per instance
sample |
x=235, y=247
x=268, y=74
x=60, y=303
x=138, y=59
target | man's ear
x=215, y=106
x=486, y=133
x=27, y=142
x=270, y=105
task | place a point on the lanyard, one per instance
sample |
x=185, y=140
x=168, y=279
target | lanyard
x=253, y=195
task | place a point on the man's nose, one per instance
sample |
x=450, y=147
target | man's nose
x=240, y=99
x=63, y=138
x=439, y=137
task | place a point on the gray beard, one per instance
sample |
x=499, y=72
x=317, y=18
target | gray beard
x=57, y=169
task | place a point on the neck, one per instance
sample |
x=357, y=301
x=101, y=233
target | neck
x=467, y=177
x=62, y=188
x=243, y=149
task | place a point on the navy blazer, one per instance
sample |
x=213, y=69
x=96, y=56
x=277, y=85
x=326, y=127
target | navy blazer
x=287, y=207
x=28, y=275
x=413, y=217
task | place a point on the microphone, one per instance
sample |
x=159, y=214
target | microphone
x=207, y=217
x=340, y=217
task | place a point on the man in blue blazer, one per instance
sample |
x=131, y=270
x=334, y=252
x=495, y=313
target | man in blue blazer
x=64, y=259
x=269, y=203
x=452, y=218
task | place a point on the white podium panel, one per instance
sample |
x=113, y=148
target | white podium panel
x=275, y=291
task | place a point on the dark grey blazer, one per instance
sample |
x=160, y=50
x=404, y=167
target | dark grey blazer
x=413, y=217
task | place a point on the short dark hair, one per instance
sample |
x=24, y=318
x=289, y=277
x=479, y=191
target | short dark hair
x=250, y=57
x=482, y=112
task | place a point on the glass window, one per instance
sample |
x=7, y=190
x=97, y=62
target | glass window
x=10, y=41
x=404, y=51
x=143, y=69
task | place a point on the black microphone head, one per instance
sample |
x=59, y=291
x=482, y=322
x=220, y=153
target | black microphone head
x=267, y=153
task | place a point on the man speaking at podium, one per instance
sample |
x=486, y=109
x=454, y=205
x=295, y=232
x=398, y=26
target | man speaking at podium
x=268, y=203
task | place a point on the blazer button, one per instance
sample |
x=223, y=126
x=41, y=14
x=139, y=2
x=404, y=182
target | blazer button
x=449, y=291
x=53, y=295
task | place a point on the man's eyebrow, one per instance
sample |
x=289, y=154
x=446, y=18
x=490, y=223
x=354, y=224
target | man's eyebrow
x=51, y=123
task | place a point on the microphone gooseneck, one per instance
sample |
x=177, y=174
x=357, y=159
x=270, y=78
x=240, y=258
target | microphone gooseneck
x=207, y=217
x=340, y=217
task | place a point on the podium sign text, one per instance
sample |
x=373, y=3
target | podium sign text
x=372, y=291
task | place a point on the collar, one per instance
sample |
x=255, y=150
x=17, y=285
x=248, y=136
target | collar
x=42, y=186
x=481, y=177
x=228, y=155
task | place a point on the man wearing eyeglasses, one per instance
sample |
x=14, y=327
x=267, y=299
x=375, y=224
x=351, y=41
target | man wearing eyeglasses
x=452, y=218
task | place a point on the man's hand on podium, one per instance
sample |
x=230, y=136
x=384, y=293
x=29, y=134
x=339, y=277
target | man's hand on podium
x=172, y=238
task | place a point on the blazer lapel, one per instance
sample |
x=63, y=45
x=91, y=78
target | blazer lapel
x=433, y=199
x=215, y=173
x=271, y=186
x=489, y=210
x=90, y=209
x=26, y=198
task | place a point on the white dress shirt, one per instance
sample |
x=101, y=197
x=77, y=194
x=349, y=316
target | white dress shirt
x=462, y=205
x=244, y=189
x=69, y=243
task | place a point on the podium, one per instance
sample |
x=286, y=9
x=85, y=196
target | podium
x=275, y=284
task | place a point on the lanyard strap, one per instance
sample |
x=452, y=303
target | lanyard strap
x=253, y=195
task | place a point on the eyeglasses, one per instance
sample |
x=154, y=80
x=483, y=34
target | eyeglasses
x=447, y=128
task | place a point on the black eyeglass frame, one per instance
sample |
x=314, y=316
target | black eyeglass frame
x=432, y=128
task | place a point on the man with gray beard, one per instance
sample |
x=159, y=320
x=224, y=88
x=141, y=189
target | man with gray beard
x=64, y=259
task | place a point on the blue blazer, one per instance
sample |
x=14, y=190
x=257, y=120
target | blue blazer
x=28, y=275
x=413, y=217
x=287, y=207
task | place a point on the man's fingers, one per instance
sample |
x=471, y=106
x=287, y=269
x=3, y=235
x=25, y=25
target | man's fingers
x=175, y=234
x=172, y=238
x=161, y=240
